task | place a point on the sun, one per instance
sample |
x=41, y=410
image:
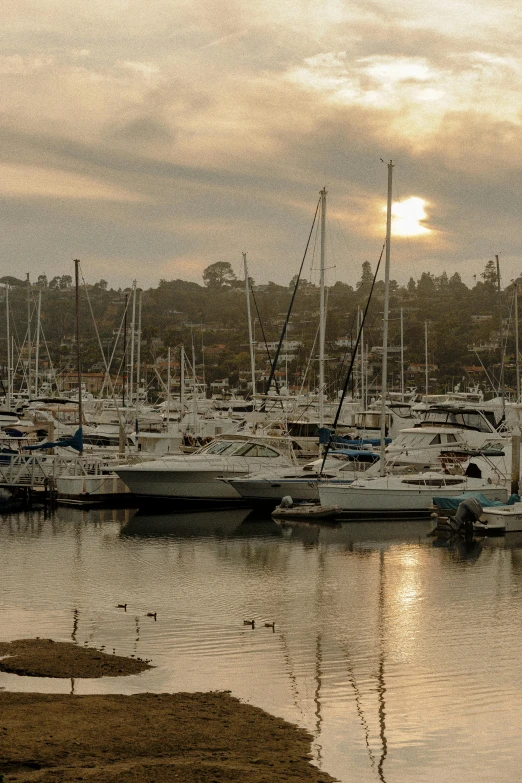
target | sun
x=407, y=217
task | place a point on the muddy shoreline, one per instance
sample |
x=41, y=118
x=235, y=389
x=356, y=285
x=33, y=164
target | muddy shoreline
x=185, y=737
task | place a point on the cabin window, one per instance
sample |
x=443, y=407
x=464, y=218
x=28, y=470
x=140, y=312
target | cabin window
x=451, y=438
x=435, y=440
x=263, y=451
x=219, y=448
x=244, y=448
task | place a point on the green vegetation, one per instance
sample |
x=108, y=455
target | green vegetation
x=463, y=326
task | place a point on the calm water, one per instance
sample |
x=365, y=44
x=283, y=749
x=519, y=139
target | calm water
x=403, y=658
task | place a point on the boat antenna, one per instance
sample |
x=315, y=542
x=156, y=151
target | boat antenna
x=285, y=325
x=352, y=362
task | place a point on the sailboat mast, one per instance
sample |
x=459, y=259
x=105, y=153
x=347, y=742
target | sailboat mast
x=78, y=361
x=250, y=336
x=517, y=364
x=402, y=354
x=9, y=355
x=501, y=337
x=181, y=383
x=133, y=335
x=138, y=349
x=37, y=349
x=322, y=316
x=29, y=346
x=168, y=388
x=426, y=373
x=384, y=385
x=361, y=357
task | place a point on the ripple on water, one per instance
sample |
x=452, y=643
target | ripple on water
x=401, y=658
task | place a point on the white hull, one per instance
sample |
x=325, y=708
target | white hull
x=197, y=476
x=353, y=498
x=508, y=518
x=182, y=484
x=85, y=488
x=267, y=490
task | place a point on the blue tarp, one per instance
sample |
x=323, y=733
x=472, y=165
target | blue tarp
x=76, y=442
x=452, y=503
x=325, y=436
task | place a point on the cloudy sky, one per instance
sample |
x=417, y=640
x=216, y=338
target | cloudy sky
x=151, y=139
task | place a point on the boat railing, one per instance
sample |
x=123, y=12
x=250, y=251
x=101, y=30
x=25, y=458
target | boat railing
x=41, y=469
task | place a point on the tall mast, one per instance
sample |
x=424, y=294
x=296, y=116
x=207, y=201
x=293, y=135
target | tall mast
x=250, y=336
x=402, y=354
x=322, y=316
x=384, y=385
x=124, y=353
x=194, y=397
x=181, y=382
x=29, y=346
x=426, y=373
x=9, y=356
x=138, y=357
x=133, y=334
x=37, y=349
x=168, y=388
x=78, y=361
x=501, y=337
x=517, y=363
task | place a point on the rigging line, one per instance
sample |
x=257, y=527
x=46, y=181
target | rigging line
x=312, y=260
x=53, y=369
x=264, y=338
x=309, y=360
x=111, y=387
x=285, y=325
x=491, y=381
x=108, y=367
x=347, y=352
x=350, y=369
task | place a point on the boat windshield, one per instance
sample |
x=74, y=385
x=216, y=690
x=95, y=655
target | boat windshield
x=240, y=449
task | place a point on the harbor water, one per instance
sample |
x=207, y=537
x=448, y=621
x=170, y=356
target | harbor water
x=400, y=654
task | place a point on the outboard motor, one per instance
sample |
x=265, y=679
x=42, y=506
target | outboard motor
x=468, y=512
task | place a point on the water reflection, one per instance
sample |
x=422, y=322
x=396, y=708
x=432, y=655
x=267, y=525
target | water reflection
x=218, y=523
x=375, y=627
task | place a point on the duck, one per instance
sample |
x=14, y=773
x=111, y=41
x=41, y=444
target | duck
x=270, y=625
x=152, y=614
x=250, y=622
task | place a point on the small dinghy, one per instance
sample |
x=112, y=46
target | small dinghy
x=506, y=518
x=290, y=510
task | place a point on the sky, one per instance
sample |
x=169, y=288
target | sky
x=153, y=139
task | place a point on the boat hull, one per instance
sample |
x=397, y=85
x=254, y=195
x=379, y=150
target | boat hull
x=505, y=518
x=193, y=485
x=384, y=500
x=267, y=491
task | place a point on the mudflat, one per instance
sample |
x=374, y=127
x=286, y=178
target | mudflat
x=143, y=738
x=47, y=658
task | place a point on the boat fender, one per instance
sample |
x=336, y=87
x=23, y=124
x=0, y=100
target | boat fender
x=287, y=502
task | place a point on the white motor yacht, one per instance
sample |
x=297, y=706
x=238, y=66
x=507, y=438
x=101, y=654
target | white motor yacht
x=193, y=477
x=302, y=483
x=407, y=493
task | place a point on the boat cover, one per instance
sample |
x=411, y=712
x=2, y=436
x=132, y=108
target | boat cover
x=452, y=503
x=326, y=436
